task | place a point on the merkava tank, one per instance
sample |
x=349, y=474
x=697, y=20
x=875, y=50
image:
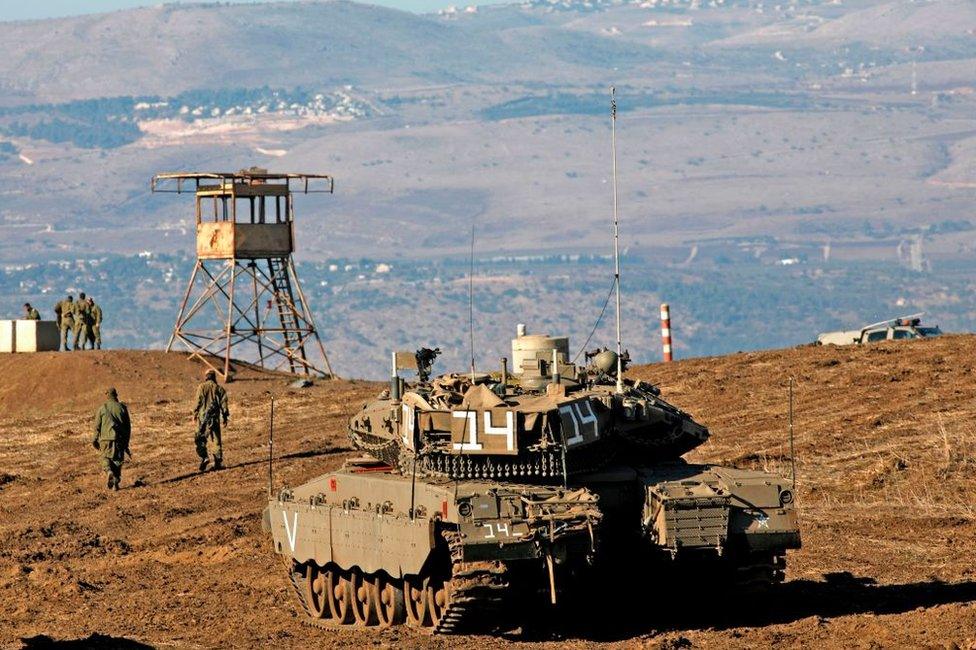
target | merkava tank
x=481, y=492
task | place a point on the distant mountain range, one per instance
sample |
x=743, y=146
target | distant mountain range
x=170, y=49
x=740, y=117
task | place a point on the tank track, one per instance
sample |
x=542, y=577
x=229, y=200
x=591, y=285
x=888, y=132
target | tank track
x=477, y=602
x=477, y=595
x=750, y=572
x=382, y=449
x=294, y=577
x=761, y=572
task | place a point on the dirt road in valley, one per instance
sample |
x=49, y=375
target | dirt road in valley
x=886, y=447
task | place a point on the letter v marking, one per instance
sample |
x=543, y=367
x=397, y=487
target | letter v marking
x=291, y=531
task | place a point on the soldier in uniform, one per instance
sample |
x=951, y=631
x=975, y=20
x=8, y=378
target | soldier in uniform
x=64, y=311
x=112, y=431
x=30, y=313
x=95, y=332
x=82, y=323
x=211, y=409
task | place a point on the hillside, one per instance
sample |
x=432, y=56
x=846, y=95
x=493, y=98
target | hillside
x=885, y=447
x=183, y=47
x=175, y=48
x=883, y=24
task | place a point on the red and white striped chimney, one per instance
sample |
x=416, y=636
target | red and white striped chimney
x=666, y=331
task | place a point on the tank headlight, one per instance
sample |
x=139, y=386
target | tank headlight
x=786, y=497
x=464, y=509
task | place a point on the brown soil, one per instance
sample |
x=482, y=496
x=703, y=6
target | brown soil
x=886, y=449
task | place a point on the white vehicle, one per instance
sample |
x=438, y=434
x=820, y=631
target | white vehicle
x=906, y=327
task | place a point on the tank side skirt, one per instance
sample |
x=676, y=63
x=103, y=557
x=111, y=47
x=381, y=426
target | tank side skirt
x=348, y=538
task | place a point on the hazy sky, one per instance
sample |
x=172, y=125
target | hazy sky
x=20, y=10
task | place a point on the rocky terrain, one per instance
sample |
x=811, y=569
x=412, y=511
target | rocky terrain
x=885, y=448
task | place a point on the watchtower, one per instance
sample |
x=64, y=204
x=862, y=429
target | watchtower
x=244, y=291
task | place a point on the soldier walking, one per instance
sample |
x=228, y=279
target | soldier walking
x=82, y=320
x=211, y=409
x=112, y=431
x=64, y=311
x=95, y=331
x=30, y=313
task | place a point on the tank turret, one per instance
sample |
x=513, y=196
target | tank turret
x=548, y=420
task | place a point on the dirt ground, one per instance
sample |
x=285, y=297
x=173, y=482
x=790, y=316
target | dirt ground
x=886, y=464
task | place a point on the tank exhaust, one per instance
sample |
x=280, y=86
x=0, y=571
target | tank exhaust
x=394, y=381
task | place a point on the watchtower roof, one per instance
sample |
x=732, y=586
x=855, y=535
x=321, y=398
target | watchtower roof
x=247, y=182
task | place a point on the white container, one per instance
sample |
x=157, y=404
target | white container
x=533, y=347
x=36, y=336
x=7, y=336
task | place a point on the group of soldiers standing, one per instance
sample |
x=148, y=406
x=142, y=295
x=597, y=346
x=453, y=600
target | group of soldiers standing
x=113, y=428
x=82, y=318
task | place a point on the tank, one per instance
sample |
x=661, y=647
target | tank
x=481, y=497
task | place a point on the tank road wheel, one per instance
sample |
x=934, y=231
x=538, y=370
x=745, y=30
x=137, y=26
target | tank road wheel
x=364, y=599
x=340, y=587
x=390, y=608
x=438, y=600
x=415, y=601
x=316, y=594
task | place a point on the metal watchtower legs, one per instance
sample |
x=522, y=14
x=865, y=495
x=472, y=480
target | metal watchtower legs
x=257, y=303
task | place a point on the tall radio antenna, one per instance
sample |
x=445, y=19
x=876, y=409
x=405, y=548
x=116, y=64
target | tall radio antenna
x=616, y=236
x=471, y=301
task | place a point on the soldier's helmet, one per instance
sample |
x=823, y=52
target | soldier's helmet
x=111, y=392
x=210, y=374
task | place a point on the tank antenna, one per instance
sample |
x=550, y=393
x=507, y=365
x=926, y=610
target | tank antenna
x=616, y=236
x=271, y=449
x=471, y=300
x=413, y=487
x=792, y=448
